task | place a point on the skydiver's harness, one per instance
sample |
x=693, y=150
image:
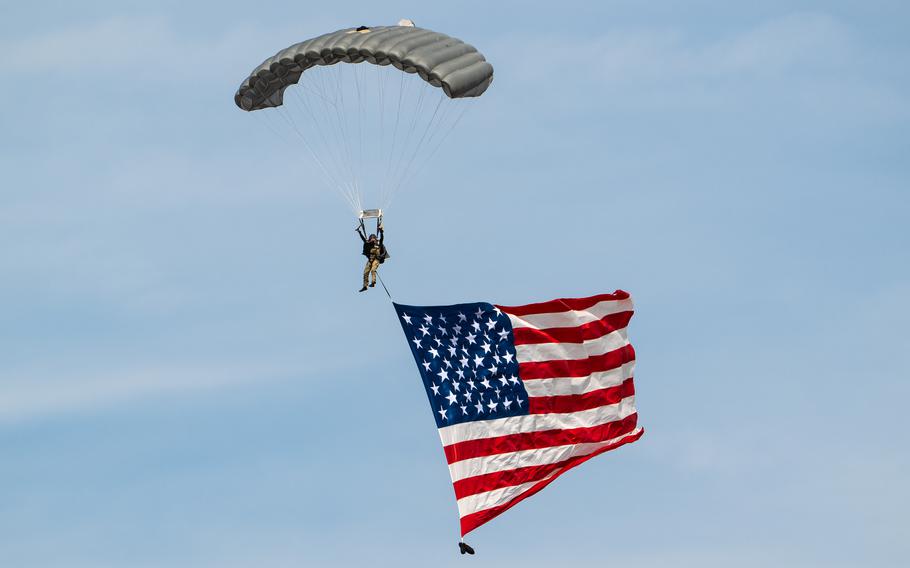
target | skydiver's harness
x=382, y=254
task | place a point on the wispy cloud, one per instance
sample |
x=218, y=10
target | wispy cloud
x=809, y=60
x=30, y=398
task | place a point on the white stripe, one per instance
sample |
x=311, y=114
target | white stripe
x=489, y=499
x=571, y=318
x=580, y=385
x=522, y=458
x=538, y=352
x=481, y=429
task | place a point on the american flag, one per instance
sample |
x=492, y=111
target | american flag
x=521, y=394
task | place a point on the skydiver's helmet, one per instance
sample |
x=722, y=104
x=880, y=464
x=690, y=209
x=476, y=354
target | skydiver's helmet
x=372, y=237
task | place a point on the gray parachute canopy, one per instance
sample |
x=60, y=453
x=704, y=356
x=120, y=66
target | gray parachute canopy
x=369, y=129
x=442, y=61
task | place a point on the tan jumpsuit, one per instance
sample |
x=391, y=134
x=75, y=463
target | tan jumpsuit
x=372, y=265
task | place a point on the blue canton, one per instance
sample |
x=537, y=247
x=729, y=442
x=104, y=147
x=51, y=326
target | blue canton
x=466, y=357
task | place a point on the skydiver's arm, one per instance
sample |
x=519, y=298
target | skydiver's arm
x=360, y=234
x=381, y=235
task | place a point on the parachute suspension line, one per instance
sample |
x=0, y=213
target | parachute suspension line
x=335, y=182
x=417, y=147
x=355, y=69
x=380, y=85
x=388, y=170
x=338, y=72
x=331, y=152
x=441, y=138
x=336, y=130
x=408, y=136
x=306, y=143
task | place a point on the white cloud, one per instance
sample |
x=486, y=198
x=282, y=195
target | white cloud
x=668, y=54
x=30, y=398
x=139, y=46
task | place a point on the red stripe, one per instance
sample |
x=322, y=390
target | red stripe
x=576, y=367
x=577, y=402
x=564, y=304
x=590, y=330
x=510, y=477
x=533, y=440
x=474, y=520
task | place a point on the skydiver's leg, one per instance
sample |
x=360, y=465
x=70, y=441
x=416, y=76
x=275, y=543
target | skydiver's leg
x=374, y=266
x=366, y=273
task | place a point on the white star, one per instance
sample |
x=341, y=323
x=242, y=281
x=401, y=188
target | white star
x=476, y=326
x=426, y=365
x=507, y=403
x=479, y=407
x=492, y=405
x=443, y=330
x=460, y=374
x=503, y=335
x=464, y=350
x=406, y=318
x=443, y=374
x=457, y=329
x=425, y=330
x=464, y=409
x=468, y=395
x=485, y=382
x=452, y=398
x=486, y=347
x=472, y=339
x=519, y=401
x=479, y=313
x=503, y=380
x=452, y=351
x=416, y=342
x=471, y=384
x=462, y=317
x=444, y=320
x=497, y=393
x=508, y=356
x=442, y=412
x=435, y=389
x=478, y=361
x=448, y=364
x=497, y=310
x=456, y=385
x=427, y=318
x=434, y=352
x=514, y=380
x=438, y=342
x=493, y=370
x=491, y=324
x=497, y=358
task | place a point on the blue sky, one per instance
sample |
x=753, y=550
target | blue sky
x=188, y=377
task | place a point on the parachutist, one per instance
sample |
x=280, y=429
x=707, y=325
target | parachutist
x=376, y=254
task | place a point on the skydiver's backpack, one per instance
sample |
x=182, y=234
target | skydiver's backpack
x=383, y=254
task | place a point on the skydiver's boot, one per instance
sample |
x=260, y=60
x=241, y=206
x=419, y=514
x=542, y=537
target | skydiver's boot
x=465, y=548
x=372, y=284
x=364, y=289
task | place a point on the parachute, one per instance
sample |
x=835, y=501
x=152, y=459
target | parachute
x=368, y=128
